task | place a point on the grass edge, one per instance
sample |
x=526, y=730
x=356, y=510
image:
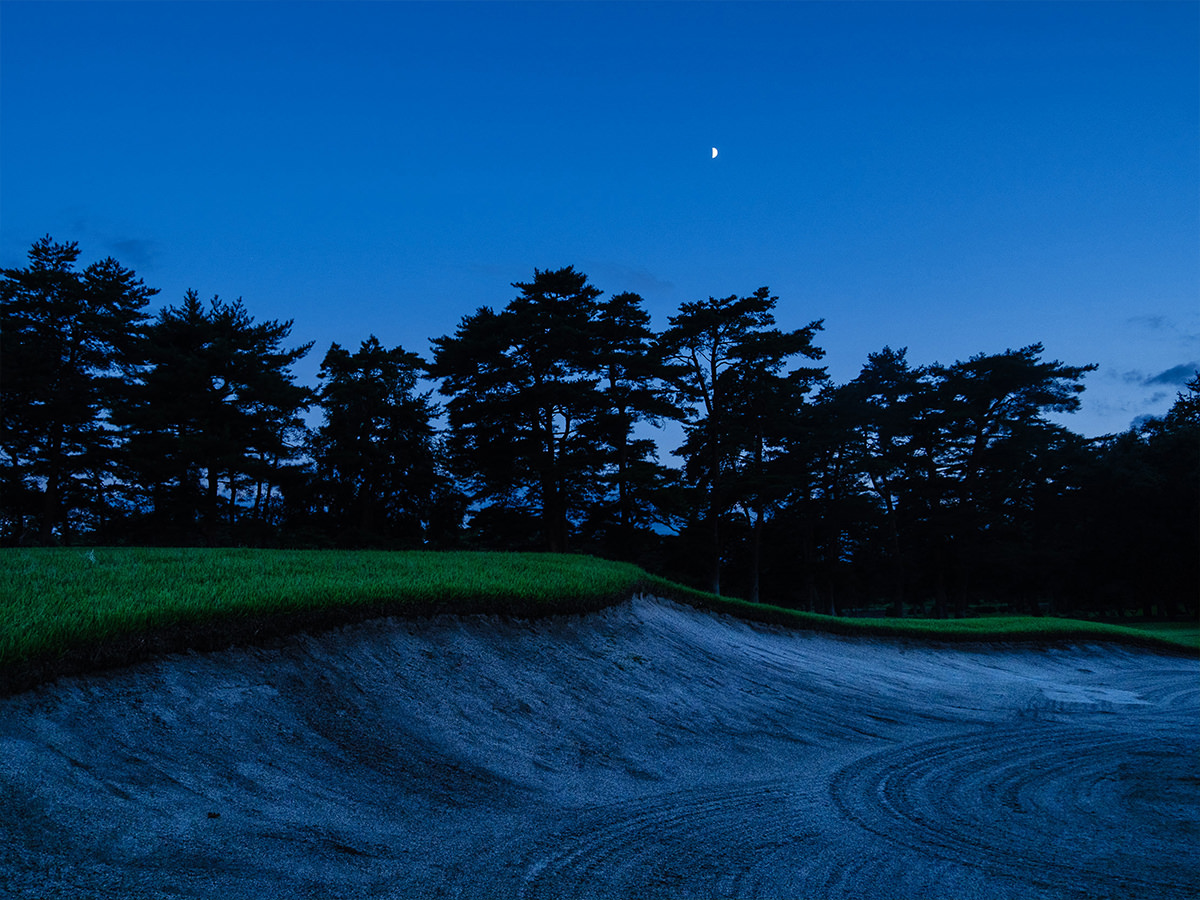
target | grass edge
x=235, y=628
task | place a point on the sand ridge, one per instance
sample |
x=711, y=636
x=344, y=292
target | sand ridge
x=648, y=750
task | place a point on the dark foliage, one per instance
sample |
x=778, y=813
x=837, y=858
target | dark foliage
x=726, y=359
x=911, y=490
x=544, y=397
x=374, y=478
x=212, y=425
x=67, y=338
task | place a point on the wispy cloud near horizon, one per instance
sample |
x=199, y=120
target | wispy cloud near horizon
x=1177, y=375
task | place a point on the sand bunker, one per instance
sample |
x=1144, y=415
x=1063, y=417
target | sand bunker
x=646, y=751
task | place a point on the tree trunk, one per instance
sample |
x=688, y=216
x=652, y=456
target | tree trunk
x=941, y=601
x=884, y=491
x=625, y=539
x=232, y=500
x=258, y=495
x=210, y=513
x=51, y=496
x=551, y=515
x=897, y=570
x=756, y=552
x=49, y=507
x=833, y=554
x=963, y=581
x=714, y=512
x=756, y=533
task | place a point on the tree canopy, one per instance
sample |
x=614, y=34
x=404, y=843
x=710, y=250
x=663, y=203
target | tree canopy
x=915, y=488
x=68, y=338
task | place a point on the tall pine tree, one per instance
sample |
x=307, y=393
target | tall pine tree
x=376, y=481
x=69, y=338
x=215, y=411
x=523, y=385
x=725, y=354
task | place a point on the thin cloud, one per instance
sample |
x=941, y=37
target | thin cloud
x=135, y=252
x=98, y=236
x=1154, y=323
x=1167, y=327
x=628, y=278
x=1176, y=375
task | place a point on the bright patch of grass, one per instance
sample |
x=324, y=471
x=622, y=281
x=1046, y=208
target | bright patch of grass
x=75, y=609
x=59, y=601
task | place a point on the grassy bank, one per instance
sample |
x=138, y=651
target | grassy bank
x=985, y=629
x=1185, y=633
x=70, y=610
x=66, y=610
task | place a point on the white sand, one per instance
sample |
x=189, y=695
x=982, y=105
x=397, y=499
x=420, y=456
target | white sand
x=647, y=751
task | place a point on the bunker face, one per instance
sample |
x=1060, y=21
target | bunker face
x=648, y=751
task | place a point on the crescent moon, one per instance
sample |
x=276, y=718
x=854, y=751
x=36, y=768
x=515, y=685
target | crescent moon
x=714, y=156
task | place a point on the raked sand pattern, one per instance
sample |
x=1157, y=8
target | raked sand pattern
x=648, y=751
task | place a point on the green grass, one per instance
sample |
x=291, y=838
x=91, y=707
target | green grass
x=984, y=629
x=1186, y=634
x=75, y=609
x=56, y=600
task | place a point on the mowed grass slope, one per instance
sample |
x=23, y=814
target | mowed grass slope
x=55, y=599
x=982, y=629
x=73, y=609
x=68, y=610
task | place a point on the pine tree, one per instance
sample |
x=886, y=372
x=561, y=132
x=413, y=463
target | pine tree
x=216, y=408
x=375, y=472
x=69, y=339
x=724, y=354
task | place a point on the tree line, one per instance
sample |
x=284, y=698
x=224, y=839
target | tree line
x=931, y=489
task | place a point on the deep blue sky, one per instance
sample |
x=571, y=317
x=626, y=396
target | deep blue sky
x=951, y=177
